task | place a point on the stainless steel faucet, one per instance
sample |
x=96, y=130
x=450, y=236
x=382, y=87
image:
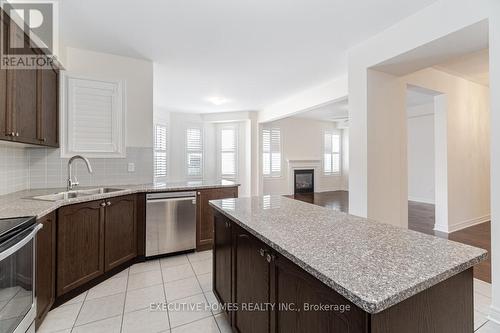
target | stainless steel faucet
x=74, y=183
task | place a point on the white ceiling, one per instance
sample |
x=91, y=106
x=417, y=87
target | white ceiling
x=250, y=52
x=334, y=111
x=472, y=66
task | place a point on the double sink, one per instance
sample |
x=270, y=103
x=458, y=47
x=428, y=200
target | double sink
x=76, y=194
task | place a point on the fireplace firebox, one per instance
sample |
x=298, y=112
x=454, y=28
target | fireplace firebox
x=304, y=181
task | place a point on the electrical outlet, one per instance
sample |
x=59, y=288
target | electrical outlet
x=131, y=167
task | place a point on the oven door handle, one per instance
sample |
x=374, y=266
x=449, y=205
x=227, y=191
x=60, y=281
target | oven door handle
x=18, y=245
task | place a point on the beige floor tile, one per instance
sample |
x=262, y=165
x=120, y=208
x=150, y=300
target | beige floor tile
x=177, y=272
x=101, y=308
x=214, y=303
x=206, y=325
x=78, y=299
x=122, y=273
x=205, y=281
x=144, y=279
x=110, y=325
x=60, y=318
x=223, y=323
x=108, y=287
x=182, y=288
x=174, y=261
x=200, y=256
x=142, y=298
x=202, y=267
x=151, y=265
x=145, y=321
x=187, y=310
x=489, y=327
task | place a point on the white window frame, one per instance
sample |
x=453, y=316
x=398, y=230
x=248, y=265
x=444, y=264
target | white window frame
x=69, y=84
x=156, y=150
x=201, y=151
x=332, y=153
x=272, y=174
x=235, y=128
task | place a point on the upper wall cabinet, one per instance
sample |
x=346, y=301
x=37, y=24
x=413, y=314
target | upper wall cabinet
x=93, y=117
x=29, y=108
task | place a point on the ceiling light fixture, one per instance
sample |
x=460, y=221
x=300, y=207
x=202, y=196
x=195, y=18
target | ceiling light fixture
x=218, y=100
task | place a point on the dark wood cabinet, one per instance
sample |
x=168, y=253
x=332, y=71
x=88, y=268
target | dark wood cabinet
x=80, y=245
x=45, y=266
x=48, y=107
x=251, y=283
x=222, y=260
x=205, y=217
x=29, y=105
x=120, y=231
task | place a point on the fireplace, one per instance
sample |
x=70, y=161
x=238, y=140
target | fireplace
x=304, y=181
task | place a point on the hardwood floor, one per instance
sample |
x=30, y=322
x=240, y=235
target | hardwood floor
x=421, y=217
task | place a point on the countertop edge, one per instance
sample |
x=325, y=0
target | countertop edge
x=371, y=307
x=126, y=191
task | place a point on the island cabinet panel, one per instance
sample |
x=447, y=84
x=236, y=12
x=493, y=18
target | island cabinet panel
x=204, y=214
x=120, y=231
x=251, y=283
x=298, y=290
x=45, y=266
x=446, y=307
x=222, y=257
x=80, y=245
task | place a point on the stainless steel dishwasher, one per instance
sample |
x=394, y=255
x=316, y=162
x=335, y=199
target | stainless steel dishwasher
x=170, y=222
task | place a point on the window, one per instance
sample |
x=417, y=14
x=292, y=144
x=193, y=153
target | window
x=331, y=160
x=271, y=152
x=160, y=151
x=228, y=152
x=93, y=117
x=194, y=152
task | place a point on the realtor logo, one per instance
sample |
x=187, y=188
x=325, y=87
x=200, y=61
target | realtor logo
x=29, y=34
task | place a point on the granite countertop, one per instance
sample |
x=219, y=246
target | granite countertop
x=21, y=203
x=374, y=265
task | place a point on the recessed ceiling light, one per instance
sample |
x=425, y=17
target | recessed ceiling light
x=218, y=100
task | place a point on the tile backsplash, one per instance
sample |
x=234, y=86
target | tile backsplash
x=48, y=169
x=24, y=168
x=14, y=168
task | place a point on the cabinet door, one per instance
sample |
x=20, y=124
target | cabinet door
x=24, y=95
x=48, y=112
x=205, y=217
x=45, y=266
x=80, y=245
x=222, y=258
x=251, y=283
x=5, y=112
x=120, y=231
x=292, y=285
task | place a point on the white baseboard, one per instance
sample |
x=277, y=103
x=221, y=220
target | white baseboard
x=494, y=315
x=423, y=200
x=463, y=224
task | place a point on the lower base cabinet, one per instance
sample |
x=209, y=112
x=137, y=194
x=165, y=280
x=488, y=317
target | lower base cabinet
x=265, y=292
x=45, y=267
x=93, y=238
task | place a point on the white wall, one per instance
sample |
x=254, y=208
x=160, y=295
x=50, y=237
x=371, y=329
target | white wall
x=316, y=96
x=468, y=146
x=138, y=76
x=302, y=139
x=421, y=168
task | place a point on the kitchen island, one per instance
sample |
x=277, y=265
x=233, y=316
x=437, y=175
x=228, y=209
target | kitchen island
x=282, y=265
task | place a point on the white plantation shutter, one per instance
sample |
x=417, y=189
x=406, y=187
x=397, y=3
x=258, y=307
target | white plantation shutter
x=93, y=117
x=331, y=156
x=194, y=152
x=228, y=153
x=160, y=151
x=271, y=152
